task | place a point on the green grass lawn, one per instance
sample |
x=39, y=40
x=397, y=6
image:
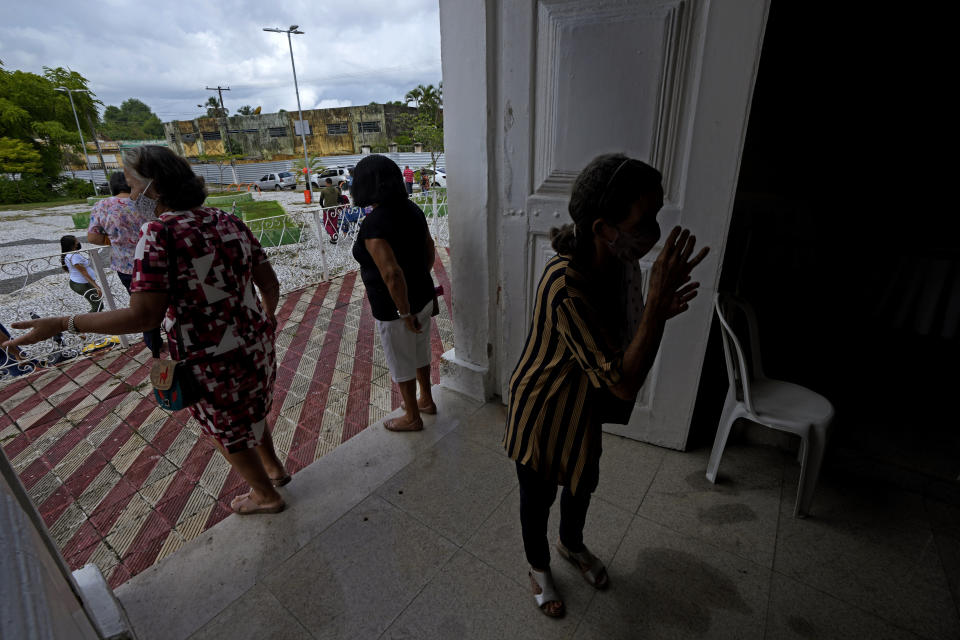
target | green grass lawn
x=428, y=209
x=81, y=220
x=26, y=206
x=274, y=233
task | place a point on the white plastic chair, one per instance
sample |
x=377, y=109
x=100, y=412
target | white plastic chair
x=783, y=406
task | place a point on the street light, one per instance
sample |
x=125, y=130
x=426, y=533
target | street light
x=83, y=144
x=303, y=134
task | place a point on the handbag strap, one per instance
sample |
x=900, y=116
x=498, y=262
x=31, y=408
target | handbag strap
x=171, y=279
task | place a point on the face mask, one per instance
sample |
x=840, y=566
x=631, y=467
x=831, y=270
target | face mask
x=630, y=248
x=145, y=205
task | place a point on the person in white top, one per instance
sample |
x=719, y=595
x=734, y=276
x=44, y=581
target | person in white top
x=82, y=280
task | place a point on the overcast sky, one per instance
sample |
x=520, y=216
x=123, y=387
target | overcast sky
x=166, y=52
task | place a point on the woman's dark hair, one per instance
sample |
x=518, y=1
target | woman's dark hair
x=377, y=180
x=67, y=244
x=118, y=183
x=606, y=188
x=177, y=186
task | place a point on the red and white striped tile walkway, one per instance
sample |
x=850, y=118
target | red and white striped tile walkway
x=122, y=483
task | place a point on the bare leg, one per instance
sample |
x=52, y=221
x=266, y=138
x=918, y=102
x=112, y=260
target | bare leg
x=408, y=390
x=248, y=464
x=425, y=403
x=268, y=456
x=411, y=420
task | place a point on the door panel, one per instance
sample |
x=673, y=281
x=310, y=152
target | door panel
x=668, y=82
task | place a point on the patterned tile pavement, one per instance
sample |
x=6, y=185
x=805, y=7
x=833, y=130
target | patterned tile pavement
x=122, y=483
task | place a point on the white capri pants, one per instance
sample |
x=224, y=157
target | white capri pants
x=404, y=350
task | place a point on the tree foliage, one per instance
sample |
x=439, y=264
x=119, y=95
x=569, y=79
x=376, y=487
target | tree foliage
x=422, y=127
x=245, y=110
x=315, y=168
x=35, y=113
x=132, y=120
x=214, y=110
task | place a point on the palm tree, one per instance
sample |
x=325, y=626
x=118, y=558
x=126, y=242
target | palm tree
x=415, y=95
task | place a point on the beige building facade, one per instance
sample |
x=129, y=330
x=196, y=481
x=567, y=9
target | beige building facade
x=274, y=136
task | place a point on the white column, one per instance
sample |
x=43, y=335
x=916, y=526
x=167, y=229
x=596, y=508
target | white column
x=469, y=367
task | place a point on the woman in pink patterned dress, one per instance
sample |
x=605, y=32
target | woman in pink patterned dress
x=195, y=269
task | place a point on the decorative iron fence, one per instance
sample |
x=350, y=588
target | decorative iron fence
x=306, y=246
x=39, y=287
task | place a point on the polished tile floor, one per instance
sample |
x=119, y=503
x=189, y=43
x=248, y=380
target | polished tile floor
x=417, y=536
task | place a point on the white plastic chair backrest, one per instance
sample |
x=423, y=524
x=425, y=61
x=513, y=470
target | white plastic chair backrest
x=737, y=372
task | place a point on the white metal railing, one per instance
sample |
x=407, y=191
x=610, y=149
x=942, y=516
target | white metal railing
x=39, y=287
x=306, y=247
x=434, y=205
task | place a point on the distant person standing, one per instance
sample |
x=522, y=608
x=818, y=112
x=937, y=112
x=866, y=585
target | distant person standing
x=424, y=181
x=329, y=194
x=116, y=222
x=82, y=280
x=408, y=179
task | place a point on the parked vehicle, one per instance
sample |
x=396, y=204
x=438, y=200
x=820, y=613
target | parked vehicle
x=277, y=181
x=337, y=174
x=438, y=180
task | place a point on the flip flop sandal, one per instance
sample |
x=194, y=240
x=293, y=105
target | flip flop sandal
x=594, y=573
x=238, y=506
x=548, y=592
x=393, y=424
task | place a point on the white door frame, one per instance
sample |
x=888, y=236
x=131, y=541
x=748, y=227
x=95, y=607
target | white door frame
x=510, y=151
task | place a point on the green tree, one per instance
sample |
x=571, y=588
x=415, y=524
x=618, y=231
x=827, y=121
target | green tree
x=245, y=110
x=423, y=128
x=299, y=164
x=19, y=157
x=415, y=95
x=33, y=112
x=132, y=120
x=214, y=110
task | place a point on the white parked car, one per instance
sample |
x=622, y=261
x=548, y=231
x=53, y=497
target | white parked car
x=277, y=181
x=337, y=174
x=439, y=180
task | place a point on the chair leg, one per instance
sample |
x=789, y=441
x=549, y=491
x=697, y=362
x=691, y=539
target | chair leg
x=816, y=444
x=803, y=457
x=727, y=418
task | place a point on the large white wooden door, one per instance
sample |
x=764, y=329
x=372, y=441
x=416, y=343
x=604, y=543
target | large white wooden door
x=666, y=81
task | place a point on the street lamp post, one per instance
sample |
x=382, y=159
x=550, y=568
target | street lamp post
x=296, y=88
x=83, y=144
x=319, y=218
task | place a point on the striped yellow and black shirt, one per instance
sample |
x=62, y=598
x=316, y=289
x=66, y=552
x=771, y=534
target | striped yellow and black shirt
x=551, y=423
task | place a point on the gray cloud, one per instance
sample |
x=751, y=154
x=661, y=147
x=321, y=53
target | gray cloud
x=165, y=53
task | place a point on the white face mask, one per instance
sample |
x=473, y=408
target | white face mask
x=144, y=204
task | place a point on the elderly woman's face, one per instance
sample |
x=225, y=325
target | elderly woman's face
x=136, y=184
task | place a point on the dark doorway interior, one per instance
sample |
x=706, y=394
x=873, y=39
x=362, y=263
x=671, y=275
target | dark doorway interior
x=836, y=240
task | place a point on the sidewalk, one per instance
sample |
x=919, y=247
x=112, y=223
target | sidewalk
x=417, y=535
x=123, y=484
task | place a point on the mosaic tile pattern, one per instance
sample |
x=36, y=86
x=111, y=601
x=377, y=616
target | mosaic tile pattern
x=122, y=483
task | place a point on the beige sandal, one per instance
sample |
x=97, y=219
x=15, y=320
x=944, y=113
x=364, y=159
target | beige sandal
x=589, y=565
x=245, y=506
x=394, y=424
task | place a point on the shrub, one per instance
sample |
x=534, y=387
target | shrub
x=74, y=188
x=81, y=220
x=26, y=189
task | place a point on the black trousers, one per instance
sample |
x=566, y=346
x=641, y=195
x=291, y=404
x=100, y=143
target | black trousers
x=151, y=338
x=537, y=495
